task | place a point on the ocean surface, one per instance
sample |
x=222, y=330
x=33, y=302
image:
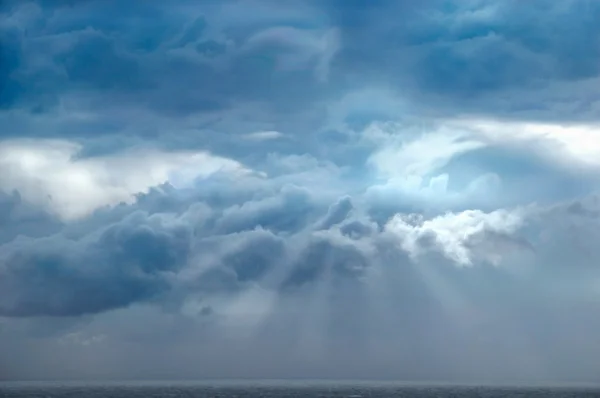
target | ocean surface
x=273, y=390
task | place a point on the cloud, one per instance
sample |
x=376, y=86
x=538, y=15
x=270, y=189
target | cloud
x=78, y=339
x=570, y=146
x=418, y=157
x=471, y=57
x=289, y=212
x=263, y=135
x=110, y=268
x=333, y=268
x=314, y=51
x=239, y=227
x=205, y=184
x=49, y=174
x=132, y=259
x=454, y=233
x=18, y=217
x=145, y=255
x=301, y=51
x=337, y=213
x=80, y=54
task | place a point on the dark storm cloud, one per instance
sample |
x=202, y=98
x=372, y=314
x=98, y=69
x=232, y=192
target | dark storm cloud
x=175, y=62
x=17, y=217
x=472, y=47
x=288, y=212
x=232, y=233
x=121, y=264
x=519, y=58
x=9, y=64
x=88, y=267
x=206, y=59
x=337, y=213
x=123, y=255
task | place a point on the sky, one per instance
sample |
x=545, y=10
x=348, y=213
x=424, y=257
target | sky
x=340, y=189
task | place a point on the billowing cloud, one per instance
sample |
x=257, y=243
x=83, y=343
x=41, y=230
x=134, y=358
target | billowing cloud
x=119, y=265
x=454, y=233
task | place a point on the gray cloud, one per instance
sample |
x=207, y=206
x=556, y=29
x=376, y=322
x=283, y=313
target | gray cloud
x=139, y=257
x=108, y=269
x=465, y=54
x=469, y=53
x=357, y=288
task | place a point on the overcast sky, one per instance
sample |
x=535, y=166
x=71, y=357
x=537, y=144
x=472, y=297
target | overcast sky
x=374, y=189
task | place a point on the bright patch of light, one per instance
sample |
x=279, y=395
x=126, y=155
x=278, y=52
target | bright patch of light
x=263, y=135
x=48, y=173
x=451, y=233
x=569, y=145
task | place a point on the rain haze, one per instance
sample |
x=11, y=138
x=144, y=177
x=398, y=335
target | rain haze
x=335, y=189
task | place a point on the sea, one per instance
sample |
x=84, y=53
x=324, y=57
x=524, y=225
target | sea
x=278, y=389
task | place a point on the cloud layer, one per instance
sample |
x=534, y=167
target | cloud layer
x=341, y=189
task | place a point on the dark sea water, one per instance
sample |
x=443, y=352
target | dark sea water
x=272, y=390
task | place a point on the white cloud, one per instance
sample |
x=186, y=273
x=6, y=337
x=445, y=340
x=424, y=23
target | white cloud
x=409, y=164
x=453, y=233
x=406, y=155
x=48, y=173
x=263, y=135
x=575, y=145
x=78, y=338
x=410, y=161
